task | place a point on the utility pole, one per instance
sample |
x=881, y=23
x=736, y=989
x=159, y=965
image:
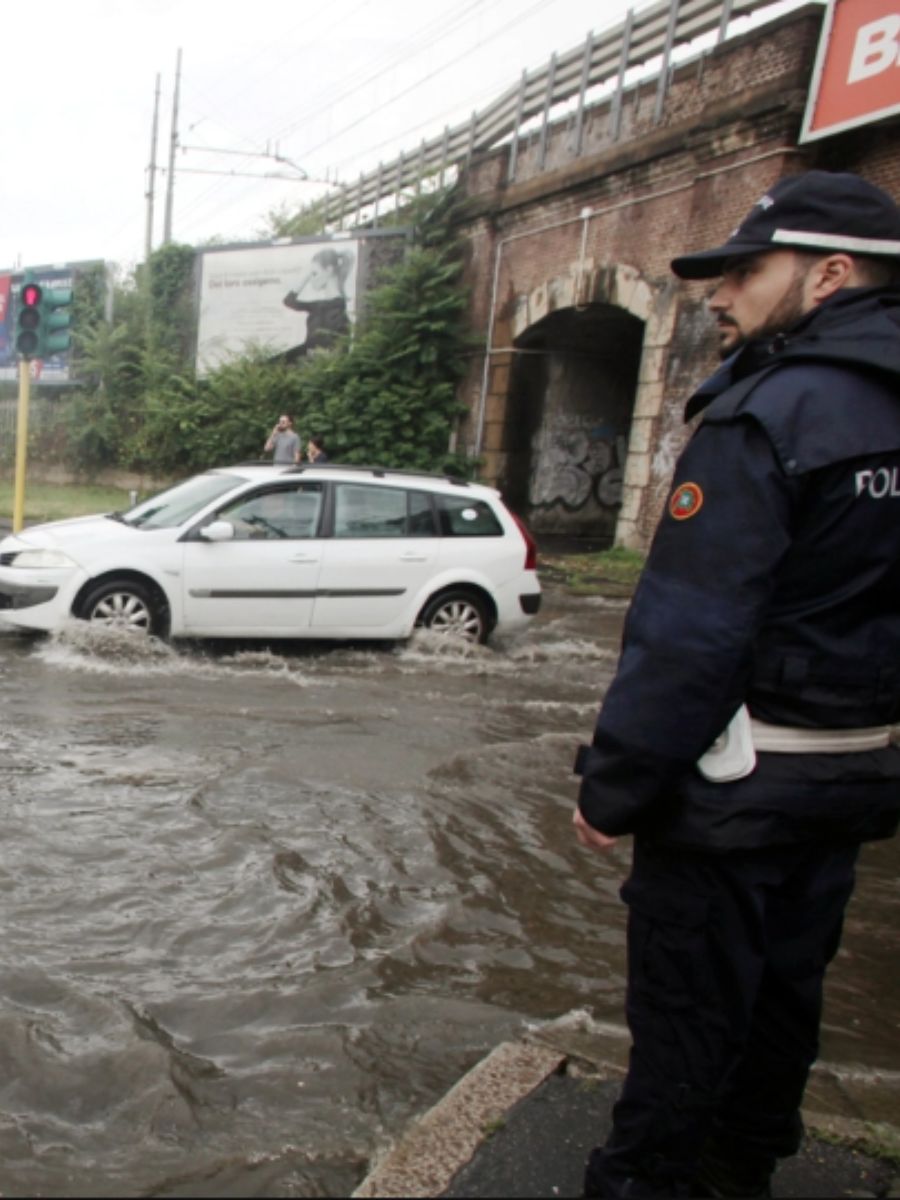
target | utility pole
x=173, y=146
x=151, y=170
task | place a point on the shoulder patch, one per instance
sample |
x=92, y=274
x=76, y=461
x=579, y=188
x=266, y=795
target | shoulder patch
x=687, y=500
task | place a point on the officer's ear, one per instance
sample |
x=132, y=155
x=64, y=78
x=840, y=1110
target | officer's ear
x=828, y=275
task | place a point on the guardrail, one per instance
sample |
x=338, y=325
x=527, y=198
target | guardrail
x=604, y=58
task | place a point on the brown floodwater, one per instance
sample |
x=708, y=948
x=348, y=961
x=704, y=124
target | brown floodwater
x=263, y=906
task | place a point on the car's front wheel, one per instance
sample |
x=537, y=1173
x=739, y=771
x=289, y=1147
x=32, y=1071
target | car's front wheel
x=123, y=604
x=459, y=613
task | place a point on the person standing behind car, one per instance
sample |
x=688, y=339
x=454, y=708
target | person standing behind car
x=315, y=450
x=768, y=610
x=283, y=442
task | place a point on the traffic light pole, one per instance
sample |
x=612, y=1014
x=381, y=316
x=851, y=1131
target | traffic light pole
x=42, y=331
x=21, y=444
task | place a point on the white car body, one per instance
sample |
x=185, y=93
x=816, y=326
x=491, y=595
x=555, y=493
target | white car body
x=305, y=575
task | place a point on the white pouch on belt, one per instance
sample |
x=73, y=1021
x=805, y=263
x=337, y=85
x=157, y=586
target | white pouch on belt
x=732, y=755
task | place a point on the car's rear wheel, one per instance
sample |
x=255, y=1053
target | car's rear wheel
x=458, y=613
x=123, y=604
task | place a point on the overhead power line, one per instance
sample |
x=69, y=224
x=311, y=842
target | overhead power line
x=539, y=4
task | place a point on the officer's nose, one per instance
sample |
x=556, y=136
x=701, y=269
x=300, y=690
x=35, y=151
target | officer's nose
x=715, y=298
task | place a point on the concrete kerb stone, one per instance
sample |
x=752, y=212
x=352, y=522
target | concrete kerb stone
x=425, y=1159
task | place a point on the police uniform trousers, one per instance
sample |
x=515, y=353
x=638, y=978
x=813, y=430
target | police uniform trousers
x=726, y=958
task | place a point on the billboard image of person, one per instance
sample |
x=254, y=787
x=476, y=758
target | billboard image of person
x=282, y=300
x=321, y=295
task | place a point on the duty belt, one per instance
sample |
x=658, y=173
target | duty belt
x=788, y=739
x=733, y=754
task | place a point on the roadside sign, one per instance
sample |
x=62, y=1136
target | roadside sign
x=856, y=78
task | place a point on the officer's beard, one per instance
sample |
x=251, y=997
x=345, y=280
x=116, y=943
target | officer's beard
x=785, y=314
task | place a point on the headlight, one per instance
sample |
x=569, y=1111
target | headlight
x=41, y=559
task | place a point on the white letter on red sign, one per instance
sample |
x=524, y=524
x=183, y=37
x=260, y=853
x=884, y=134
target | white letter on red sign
x=876, y=49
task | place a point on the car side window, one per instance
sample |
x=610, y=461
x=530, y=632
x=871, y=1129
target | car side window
x=420, y=510
x=276, y=513
x=461, y=516
x=365, y=511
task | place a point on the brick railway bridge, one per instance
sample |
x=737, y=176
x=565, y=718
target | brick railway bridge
x=590, y=344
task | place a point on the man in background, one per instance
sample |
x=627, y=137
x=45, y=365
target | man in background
x=283, y=443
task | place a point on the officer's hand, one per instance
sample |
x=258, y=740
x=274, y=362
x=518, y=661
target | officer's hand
x=589, y=836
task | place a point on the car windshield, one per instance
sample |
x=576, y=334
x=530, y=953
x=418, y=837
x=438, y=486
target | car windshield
x=178, y=504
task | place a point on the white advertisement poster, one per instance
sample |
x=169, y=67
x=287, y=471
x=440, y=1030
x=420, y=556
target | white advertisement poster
x=283, y=300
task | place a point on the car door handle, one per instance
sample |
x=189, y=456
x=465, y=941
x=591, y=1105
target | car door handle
x=304, y=558
x=412, y=556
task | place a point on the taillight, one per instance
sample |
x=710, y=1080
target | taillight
x=530, y=543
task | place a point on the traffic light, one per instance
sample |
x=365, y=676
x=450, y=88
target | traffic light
x=56, y=319
x=43, y=320
x=28, y=320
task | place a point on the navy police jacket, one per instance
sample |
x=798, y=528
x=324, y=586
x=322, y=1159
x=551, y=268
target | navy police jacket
x=773, y=580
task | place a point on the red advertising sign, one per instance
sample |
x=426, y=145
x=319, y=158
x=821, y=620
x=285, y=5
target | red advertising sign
x=856, y=78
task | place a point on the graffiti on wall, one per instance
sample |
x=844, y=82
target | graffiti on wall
x=573, y=466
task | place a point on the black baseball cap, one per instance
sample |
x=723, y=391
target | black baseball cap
x=819, y=210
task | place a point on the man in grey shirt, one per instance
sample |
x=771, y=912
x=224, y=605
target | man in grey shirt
x=284, y=442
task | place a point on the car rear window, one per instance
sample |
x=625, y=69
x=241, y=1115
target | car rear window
x=462, y=516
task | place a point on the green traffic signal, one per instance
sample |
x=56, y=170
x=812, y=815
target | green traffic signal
x=55, y=321
x=43, y=320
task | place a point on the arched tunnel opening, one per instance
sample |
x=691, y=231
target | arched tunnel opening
x=571, y=398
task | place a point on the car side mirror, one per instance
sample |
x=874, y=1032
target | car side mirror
x=217, y=531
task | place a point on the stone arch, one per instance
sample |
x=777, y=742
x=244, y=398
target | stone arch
x=613, y=303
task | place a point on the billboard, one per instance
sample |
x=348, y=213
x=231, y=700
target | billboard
x=50, y=370
x=856, y=78
x=287, y=300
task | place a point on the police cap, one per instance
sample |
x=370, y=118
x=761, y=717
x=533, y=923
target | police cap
x=819, y=210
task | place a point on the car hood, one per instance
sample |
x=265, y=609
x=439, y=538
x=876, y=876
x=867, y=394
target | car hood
x=69, y=535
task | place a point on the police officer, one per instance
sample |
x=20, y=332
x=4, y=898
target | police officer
x=745, y=740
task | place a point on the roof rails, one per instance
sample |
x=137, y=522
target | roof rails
x=252, y=462
x=376, y=472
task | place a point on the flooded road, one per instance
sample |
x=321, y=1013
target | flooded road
x=262, y=908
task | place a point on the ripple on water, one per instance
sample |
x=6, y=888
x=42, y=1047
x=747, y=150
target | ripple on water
x=250, y=932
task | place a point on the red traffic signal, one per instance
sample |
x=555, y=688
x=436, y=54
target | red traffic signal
x=31, y=295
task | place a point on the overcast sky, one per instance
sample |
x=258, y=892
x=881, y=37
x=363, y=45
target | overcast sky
x=332, y=85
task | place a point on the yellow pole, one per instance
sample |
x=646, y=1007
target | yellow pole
x=21, y=445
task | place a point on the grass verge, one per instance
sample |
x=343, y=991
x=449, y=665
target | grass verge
x=613, y=572
x=55, y=502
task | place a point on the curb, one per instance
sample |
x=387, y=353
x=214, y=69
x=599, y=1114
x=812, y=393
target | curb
x=851, y=1109
x=435, y=1146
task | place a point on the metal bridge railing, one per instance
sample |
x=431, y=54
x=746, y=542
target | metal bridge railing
x=604, y=58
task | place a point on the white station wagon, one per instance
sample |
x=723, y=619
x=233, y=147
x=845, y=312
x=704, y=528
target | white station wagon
x=259, y=551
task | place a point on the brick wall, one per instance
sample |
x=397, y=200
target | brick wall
x=602, y=228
